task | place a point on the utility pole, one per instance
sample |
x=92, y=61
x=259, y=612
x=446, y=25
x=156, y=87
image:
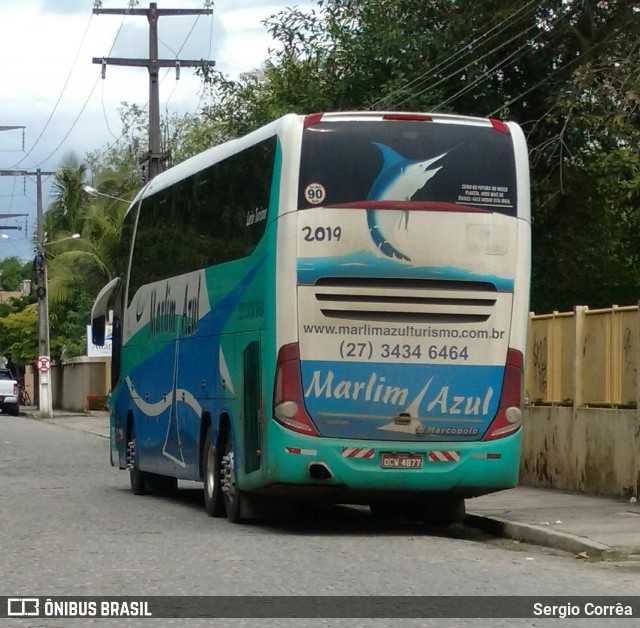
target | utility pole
x=155, y=156
x=45, y=399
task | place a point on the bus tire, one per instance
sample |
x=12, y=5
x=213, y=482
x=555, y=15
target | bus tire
x=382, y=511
x=161, y=484
x=137, y=478
x=233, y=496
x=444, y=511
x=213, y=497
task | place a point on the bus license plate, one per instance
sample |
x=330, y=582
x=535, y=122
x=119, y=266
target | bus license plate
x=401, y=461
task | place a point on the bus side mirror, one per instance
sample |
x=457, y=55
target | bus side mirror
x=98, y=330
x=100, y=310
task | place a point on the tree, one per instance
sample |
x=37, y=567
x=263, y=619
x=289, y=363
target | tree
x=68, y=326
x=65, y=213
x=79, y=267
x=586, y=168
x=11, y=274
x=18, y=337
x=123, y=163
x=566, y=70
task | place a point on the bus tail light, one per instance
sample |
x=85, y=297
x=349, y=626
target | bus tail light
x=312, y=118
x=509, y=416
x=499, y=125
x=288, y=403
x=411, y=117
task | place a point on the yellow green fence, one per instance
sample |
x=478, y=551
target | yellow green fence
x=584, y=358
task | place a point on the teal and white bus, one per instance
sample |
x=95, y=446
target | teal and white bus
x=333, y=307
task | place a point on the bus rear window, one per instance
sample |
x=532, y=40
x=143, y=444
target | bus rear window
x=412, y=161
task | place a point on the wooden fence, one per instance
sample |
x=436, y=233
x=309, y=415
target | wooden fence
x=584, y=358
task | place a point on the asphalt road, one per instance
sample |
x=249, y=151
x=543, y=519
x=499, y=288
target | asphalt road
x=70, y=526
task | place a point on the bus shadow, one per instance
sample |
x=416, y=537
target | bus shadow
x=331, y=519
x=301, y=518
x=286, y=517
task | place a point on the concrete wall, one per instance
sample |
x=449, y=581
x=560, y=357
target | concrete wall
x=74, y=379
x=589, y=450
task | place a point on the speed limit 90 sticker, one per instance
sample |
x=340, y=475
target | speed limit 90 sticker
x=315, y=193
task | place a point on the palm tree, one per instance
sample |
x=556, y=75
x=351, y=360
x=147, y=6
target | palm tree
x=87, y=263
x=79, y=268
x=66, y=212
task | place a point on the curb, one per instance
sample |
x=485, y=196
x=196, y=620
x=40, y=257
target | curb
x=536, y=535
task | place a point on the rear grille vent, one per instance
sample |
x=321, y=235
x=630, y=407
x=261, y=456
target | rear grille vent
x=405, y=300
x=417, y=284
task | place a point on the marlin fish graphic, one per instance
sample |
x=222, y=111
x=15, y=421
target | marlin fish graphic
x=398, y=180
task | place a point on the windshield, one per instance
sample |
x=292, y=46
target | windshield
x=407, y=161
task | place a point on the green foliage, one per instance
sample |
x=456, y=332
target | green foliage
x=11, y=274
x=68, y=326
x=64, y=214
x=18, y=337
x=586, y=168
x=123, y=164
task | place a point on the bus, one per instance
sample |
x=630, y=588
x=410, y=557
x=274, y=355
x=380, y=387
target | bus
x=331, y=308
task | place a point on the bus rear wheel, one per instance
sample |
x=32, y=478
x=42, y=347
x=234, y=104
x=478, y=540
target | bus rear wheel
x=137, y=477
x=383, y=511
x=213, y=497
x=162, y=484
x=233, y=496
x=443, y=511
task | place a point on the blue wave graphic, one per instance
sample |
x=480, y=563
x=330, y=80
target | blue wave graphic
x=367, y=264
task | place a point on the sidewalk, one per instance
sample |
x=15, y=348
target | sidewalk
x=586, y=526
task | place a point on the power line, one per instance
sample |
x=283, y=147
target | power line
x=60, y=97
x=104, y=113
x=507, y=22
x=552, y=74
x=524, y=49
x=468, y=65
x=64, y=139
x=176, y=55
x=497, y=67
x=527, y=47
x=64, y=87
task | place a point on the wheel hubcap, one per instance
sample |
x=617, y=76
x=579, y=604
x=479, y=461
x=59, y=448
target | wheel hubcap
x=210, y=472
x=228, y=475
x=131, y=454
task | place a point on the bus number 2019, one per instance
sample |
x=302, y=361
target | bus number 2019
x=320, y=234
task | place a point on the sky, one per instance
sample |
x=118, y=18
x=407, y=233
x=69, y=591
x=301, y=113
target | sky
x=50, y=86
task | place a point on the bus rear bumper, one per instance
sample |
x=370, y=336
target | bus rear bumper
x=465, y=468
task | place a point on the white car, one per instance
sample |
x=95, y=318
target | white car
x=8, y=393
